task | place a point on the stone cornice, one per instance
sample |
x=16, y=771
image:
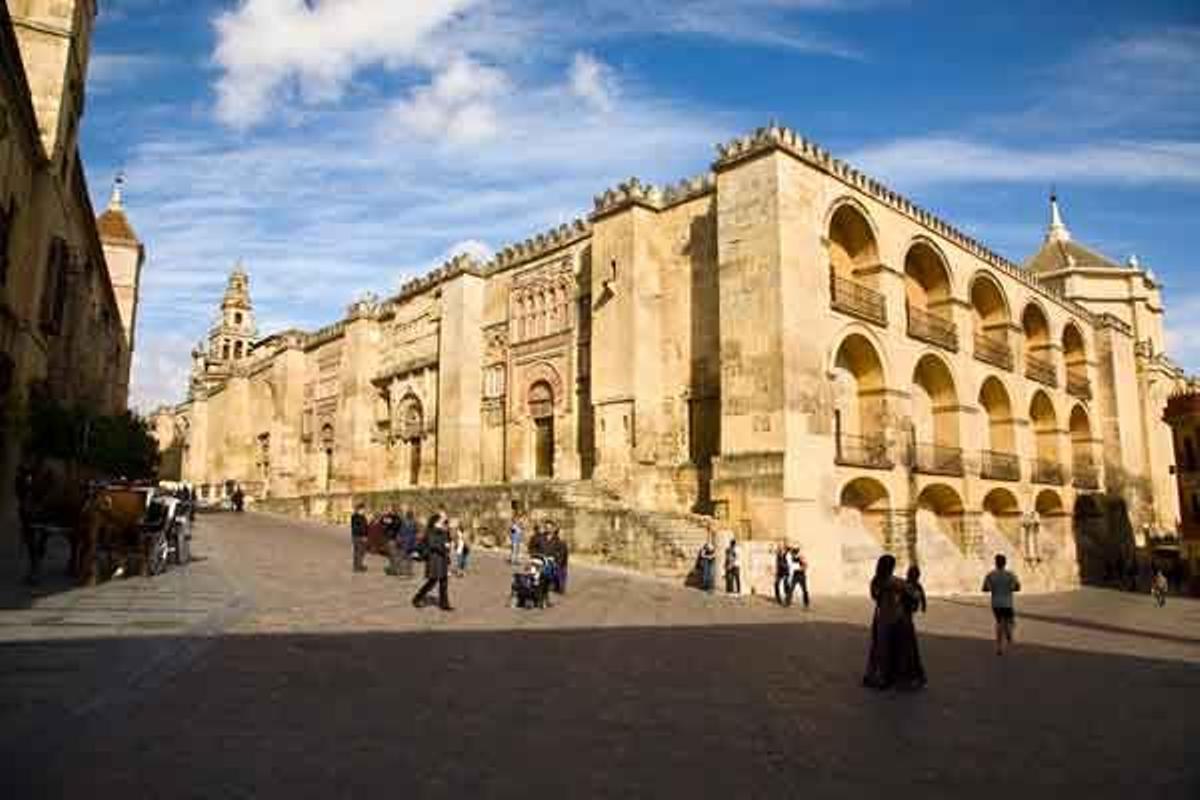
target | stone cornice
x=633, y=192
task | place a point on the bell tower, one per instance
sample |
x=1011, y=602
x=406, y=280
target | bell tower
x=230, y=339
x=55, y=40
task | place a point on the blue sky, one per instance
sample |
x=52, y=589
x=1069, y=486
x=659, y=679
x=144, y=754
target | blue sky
x=341, y=146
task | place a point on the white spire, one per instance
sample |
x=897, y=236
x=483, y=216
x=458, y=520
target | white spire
x=1058, y=230
x=1133, y=262
x=114, y=202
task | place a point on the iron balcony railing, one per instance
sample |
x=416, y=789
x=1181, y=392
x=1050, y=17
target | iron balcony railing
x=1041, y=370
x=998, y=466
x=1047, y=472
x=936, y=459
x=931, y=328
x=993, y=350
x=863, y=451
x=1085, y=475
x=1079, y=386
x=857, y=300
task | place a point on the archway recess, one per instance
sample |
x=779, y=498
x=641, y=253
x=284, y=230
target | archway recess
x=935, y=418
x=860, y=408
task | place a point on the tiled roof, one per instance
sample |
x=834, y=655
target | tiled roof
x=1056, y=255
x=114, y=226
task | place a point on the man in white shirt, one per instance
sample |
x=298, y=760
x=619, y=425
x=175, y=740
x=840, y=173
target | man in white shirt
x=1002, y=585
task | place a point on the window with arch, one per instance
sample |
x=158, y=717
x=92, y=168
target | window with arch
x=928, y=297
x=1039, y=365
x=237, y=318
x=854, y=266
x=237, y=350
x=991, y=319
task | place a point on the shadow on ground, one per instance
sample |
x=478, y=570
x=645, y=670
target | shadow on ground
x=729, y=711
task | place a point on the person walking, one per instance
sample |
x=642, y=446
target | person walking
x=560, y=553
x=390, y=521
x=909, y=669
x=781, y=573
x=462, y=548
x=437, y=564
x=1002, y=585
x=407, y=540
x=708, y=566
x=888, y=592
x=516, y=532
x=1158, y=588
x=797, y=569
x=358, y=536
x=733, y=570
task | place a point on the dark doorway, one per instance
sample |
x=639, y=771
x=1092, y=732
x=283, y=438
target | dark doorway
x=544, y=444
x=414, y=462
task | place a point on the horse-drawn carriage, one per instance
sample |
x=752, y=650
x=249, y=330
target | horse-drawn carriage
x=126, y=524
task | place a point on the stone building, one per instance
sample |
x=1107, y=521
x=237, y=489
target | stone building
x=781, y=348
x=1183, y=415
x=68, y=281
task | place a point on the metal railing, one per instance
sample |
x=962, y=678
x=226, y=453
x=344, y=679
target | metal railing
x=863, y=451
x=857, y=300
x=1047, y=472
x=929, y=327
x=993, y=350
x=1085, y=475
x=998, y=466
x=1041, y=370
x=1079, y=386
x=936, y=459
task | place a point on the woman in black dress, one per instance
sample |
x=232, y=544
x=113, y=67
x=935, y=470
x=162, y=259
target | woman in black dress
x=888, y=592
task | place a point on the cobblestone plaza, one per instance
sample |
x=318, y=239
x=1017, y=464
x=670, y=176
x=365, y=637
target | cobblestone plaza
x=267, y=669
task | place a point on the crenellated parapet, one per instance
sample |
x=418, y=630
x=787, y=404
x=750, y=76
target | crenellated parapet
x=634, y=192
x=539, y=245
x=776, y=137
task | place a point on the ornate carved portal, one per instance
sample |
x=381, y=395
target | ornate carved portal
x=410, y=429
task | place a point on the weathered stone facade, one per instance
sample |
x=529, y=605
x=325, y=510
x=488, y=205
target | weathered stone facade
x=68, y=280
x=783, y=344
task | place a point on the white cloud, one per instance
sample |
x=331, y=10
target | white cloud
x=928, y=160
x=272, y=50
x=458, y=105
x=161, y=363
x=593, y=81
x=108, y=71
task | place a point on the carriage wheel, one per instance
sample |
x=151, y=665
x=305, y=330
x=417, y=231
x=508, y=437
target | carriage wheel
x=157, y=553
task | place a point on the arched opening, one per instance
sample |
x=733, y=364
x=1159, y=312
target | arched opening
x=939, y=513
x=541, y=411
x=998, y=460
x=411, y=419
x=991, y=318
x=854, y=266
x=225, y=351
x=1084, y=474
x=1001, y=521
x=237, y=350
x=935, y=419
x=1039, y=365
x=1044, y=528
x=864, y=502
x=1075, y=358
x=1046, y=466
x=859, y=404
x=927, y=297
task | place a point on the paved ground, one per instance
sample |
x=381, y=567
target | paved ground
x=269, y=670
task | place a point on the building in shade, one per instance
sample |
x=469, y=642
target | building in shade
x=782, y=348
x=1183, y=415
x=69, y=281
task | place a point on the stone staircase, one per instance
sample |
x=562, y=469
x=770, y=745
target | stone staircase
x=662, y=543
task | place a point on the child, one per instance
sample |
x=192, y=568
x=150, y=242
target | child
x=916, y=592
